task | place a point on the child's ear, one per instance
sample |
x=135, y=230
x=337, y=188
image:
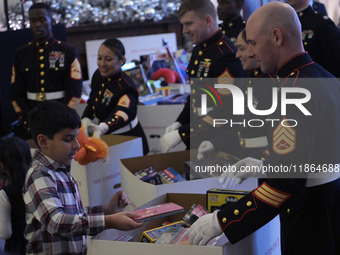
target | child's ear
x=42, y=141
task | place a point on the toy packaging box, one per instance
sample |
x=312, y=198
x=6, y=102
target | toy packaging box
x=217, y=198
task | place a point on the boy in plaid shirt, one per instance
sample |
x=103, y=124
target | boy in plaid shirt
x=57, y=222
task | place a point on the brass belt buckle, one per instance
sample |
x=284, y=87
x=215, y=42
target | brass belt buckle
x=40, y=96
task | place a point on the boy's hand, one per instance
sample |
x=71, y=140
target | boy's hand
x=117, y=203
x=122, y=221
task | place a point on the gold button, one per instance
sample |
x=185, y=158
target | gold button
x=46, y=43
x=103, y=84
x=249, y=203
x=42, y=89
x=191, y=129
x=42, y=81
x=41, y=57
x=196, y=62
x=201, y=78
x=200, y=53
x=113, y=119
x=305, y=43
x=263, y=159
x=26, y=69
x=183, y=134
x=93, y=107
x=193, y=91
x=191, y=82
x=224, y=220
x=109, y=122
x=291, y=74
x=200, y=125
x=25, y=122
x=116, y=117
x=192, y=72
x=41, y=50
x=193, y=100
x=37, y=44
x=288, y=210
x=242, y=142
x=239, y=133
x=236, y=212
x=109, y=79
x=57, y=68
x=94, y=115
x=96, y=99
x=42, y=66
x=100, y=93
x=204, y=45
x=59, y=42
x=220, y=43
x=42, y=73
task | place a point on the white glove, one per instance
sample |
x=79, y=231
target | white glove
x=205, y=228
x=170, y=140
x=205, y=146
x=173, y=126
x=243, y=169
x=100, y=129
x=86, y=122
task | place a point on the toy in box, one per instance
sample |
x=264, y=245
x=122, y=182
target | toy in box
x=169, y=175
x=218, y=198
x=149, y=175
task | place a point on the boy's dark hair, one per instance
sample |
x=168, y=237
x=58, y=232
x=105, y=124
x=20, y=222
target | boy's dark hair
x=15, y=156
x=42, y=6
x=200, y=7
x=51, y=117
x=116, y=46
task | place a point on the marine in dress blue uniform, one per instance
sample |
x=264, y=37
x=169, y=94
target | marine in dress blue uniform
x=114, y=101
x=213, y=58
x=309, y=212
x=47, y=70
x=232, y=28
x=321, y=38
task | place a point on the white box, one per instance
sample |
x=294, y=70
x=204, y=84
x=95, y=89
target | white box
x=262, y=242
x=99, y=181
x=154, y=120
x=140, y=192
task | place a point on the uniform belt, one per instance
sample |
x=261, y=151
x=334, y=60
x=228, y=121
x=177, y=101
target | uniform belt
x=126, y=128
x=42, y=96
x=316, y=179
x=256, y=142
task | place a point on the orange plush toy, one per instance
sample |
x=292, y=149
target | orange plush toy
x=91, y=149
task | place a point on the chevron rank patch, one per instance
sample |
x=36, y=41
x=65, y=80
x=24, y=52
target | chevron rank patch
x=271, y=196
x=284, y=139
x=75, y=70
x=124, y=101
x=225, y=78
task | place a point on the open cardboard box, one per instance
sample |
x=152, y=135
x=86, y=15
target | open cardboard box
x=264, y=241
x=140, y=192
x=98, y=181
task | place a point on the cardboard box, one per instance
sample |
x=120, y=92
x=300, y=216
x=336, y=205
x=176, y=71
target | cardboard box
x=98, y=181
x=140, y=192
x=262, y=242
